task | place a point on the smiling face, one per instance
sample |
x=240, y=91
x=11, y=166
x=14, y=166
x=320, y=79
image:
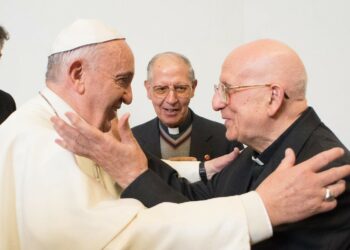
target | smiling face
x=245, y=112
x=258, y=115
x=170, y=71
x=108, y=83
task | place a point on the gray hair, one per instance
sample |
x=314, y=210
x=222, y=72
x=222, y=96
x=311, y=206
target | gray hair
x=191, y=75
x=58, y=62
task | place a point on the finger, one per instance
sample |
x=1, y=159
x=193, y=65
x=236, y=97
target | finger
x=72, y=146
x=288, y=160
x=322, y=159
x=63, y=129
x=87, y=131
x=78, y=122
x=337, y=188
x=332, y=175
x=61, y=143
x=234, y=154
x=327, y=206
x=124, y=129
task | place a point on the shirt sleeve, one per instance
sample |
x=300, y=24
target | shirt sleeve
x=219, y=223
x=259, y=224
x=186, y=169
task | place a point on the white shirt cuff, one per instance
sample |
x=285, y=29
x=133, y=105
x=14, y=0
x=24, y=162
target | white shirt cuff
x=259, y=224
x=186, y=169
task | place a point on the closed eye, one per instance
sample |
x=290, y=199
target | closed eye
x=124, y=80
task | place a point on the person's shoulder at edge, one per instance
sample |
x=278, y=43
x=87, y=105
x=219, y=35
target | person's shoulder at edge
x=6, y=96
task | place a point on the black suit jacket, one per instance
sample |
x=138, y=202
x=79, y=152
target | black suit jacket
x=308, y=137
x=7, y=105
x=207, y=138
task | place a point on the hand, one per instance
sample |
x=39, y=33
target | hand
x=219, y=163
x=123, y=159
x=292, y=193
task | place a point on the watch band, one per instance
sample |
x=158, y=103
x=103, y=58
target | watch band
x=202, y=172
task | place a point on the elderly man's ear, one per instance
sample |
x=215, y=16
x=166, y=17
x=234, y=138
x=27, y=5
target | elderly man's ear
x=147, y=85
x=194, y=85
x=76, y=76
x=276, y=100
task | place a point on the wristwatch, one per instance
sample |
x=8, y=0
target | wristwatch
x=202, y=172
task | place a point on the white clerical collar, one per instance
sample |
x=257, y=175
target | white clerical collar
x=57, y=104
x=173, y=131
x=257, y=160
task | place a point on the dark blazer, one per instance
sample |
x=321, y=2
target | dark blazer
x=307, y=137
x=207, y=138
x=7, y=105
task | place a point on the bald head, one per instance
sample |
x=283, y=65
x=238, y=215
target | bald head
x=268, y=61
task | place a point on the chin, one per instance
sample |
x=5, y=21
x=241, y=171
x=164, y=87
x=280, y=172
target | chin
x=231, y=135
x=170, y=123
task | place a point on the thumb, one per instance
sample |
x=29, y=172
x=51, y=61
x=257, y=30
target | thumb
x=114, y=128
x=288, y=160
x=124, y=128
x=233, y=155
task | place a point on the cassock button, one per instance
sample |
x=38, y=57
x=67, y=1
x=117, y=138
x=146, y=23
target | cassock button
x=206, y=157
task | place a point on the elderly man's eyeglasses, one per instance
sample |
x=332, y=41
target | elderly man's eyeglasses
x=181, y=90
x=224, y=90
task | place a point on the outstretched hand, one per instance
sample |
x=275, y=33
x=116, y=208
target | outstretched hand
x=292, y=193
x=118, y=152
x=219, y=163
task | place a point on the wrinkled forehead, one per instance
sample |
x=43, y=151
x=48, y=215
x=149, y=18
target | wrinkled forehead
x=256, y=65
x=116, y=53
x=167, y=63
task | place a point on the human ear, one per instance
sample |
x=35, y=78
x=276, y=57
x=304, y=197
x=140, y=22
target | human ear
x=194, y=85
x=76, y=76
x=276, y=99
x=147, y=85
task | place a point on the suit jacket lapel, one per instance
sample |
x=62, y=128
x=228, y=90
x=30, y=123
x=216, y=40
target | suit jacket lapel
x=200, y=139
x=151, y=138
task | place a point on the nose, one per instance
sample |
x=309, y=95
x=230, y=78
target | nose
x=171, y=97
x=217, y=103
x=127, y=96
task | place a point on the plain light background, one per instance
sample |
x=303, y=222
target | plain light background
x=203, y=30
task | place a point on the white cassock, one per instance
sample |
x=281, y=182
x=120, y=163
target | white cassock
x=49, y=201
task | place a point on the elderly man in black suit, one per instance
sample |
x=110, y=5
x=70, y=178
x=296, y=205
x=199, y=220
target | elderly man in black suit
x=261, y=97
x=177, y=131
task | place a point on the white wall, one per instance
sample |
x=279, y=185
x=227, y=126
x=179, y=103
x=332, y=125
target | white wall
x=204, y=30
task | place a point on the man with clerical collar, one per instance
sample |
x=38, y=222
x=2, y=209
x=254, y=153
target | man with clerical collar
x=177, y=131
x=261, y=97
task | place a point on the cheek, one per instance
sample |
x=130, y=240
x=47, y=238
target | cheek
x=184, y=103
x=157, y=103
